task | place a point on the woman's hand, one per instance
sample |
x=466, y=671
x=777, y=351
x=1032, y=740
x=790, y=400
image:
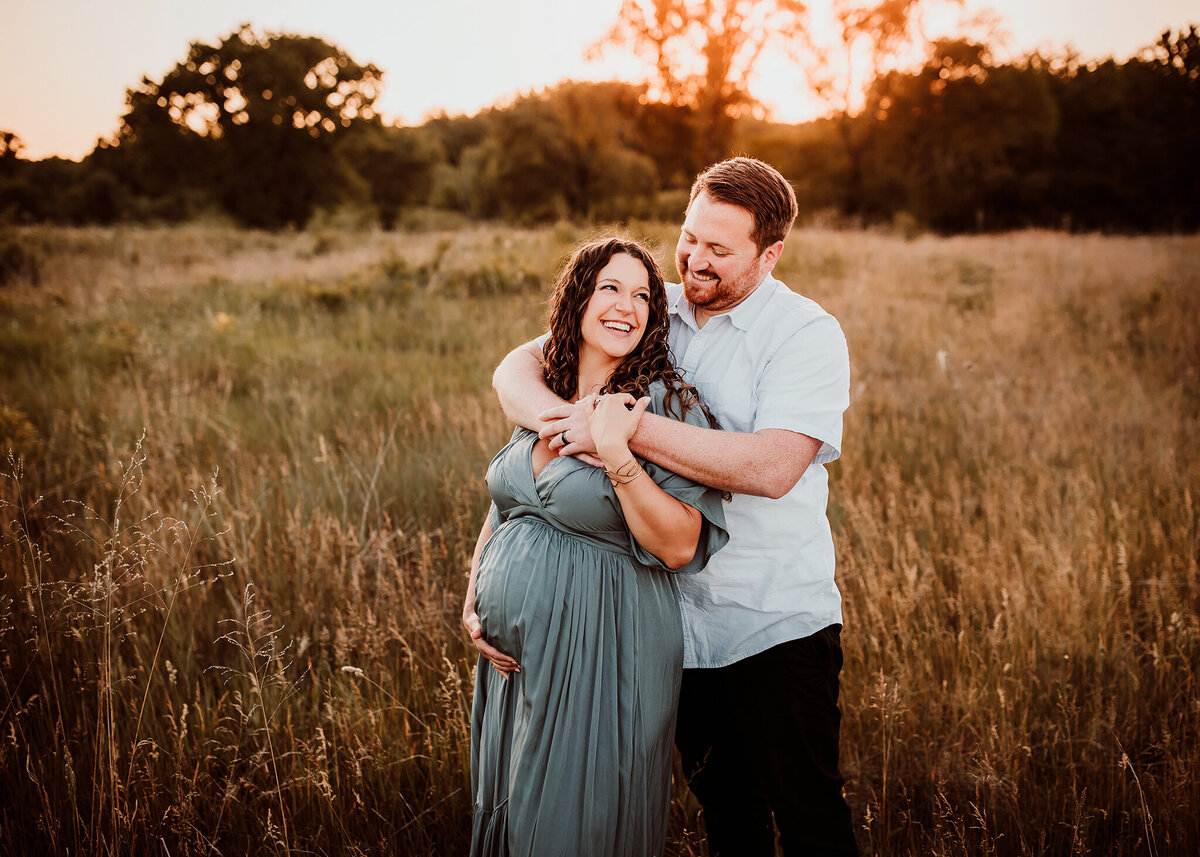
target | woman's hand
x=613, y=423
x=663, y=525
x=501, y=662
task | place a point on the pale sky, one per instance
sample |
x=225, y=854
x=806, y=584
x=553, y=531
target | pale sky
x=66, y=64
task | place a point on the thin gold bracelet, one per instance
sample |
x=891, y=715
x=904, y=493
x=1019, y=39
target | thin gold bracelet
x=620, y=477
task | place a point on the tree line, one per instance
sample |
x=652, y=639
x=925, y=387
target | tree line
x=269, y=130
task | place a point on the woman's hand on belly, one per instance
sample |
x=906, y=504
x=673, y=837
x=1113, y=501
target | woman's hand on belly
x=500, y=662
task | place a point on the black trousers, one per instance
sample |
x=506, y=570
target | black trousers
x=759, y=739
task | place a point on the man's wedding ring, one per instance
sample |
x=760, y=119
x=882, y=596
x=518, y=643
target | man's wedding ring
x=563, y=437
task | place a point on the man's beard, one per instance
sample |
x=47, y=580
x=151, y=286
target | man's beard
x=721, y=293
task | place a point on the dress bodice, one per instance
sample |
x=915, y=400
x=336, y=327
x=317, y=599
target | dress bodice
x=567, y=494
x=577, y=499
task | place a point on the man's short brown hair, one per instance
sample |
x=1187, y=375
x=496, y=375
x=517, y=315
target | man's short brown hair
x=757, y=187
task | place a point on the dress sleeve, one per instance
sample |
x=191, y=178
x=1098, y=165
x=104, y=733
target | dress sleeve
x=495, y=518
x=707, y=501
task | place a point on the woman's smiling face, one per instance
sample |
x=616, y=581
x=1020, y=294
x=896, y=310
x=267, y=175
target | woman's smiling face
x=615, y=317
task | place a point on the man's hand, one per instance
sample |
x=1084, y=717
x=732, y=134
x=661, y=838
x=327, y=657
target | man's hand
x=501, y=662
x=571, y=420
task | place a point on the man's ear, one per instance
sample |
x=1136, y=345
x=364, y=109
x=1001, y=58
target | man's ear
x=771, y=255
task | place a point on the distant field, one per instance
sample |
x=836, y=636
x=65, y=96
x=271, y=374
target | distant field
x=246, y=477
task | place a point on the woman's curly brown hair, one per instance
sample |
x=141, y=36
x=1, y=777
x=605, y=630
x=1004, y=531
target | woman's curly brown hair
x=649, y=361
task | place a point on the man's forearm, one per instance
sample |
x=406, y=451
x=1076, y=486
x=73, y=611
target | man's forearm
x=765, y=464
x=521, y=388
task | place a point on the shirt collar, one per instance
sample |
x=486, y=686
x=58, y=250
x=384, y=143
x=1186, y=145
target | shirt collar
x=741, y=316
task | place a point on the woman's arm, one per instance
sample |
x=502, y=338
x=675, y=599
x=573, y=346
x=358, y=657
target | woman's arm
x=502, y=663
x=663, y=525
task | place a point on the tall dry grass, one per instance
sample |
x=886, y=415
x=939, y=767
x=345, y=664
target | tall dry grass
x=246, y=477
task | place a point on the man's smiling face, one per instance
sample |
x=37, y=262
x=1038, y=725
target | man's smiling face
x=719, y=263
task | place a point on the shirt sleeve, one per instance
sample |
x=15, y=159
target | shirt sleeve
x=805, y=385
x=707, y=501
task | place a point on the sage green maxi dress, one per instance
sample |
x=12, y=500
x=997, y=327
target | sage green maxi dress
x=572, y=756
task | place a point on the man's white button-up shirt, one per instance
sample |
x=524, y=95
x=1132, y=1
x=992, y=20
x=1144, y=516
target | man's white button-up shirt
x=775, y=361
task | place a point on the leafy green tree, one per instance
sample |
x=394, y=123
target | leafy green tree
x=396, y=165
x=665, y=133
x=1175, y=59
x=1102, y=132
x=10, y=151
x=58, y=190
x=810, y=154
x=609, y=173
x=96, y=196
x=474, y=188
x=1126, y=157
x=12, y=187
x=456, y=134
x=568, y=152
x=533, y=162
x=253, y=117
x=963, y=144
x=874, y=36
x=457, y=179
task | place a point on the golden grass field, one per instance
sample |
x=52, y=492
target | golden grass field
x=246, y=476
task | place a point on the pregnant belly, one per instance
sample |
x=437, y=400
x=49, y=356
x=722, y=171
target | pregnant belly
x=538, y=585
x=513, y=592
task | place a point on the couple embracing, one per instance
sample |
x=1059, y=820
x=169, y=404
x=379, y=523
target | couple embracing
x=656, y=569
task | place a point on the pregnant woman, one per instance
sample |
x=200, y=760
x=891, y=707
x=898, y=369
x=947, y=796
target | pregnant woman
x=571, y=599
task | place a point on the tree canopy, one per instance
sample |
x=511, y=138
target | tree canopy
x=253, y=117
x=271, y=129
x=703, y=53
